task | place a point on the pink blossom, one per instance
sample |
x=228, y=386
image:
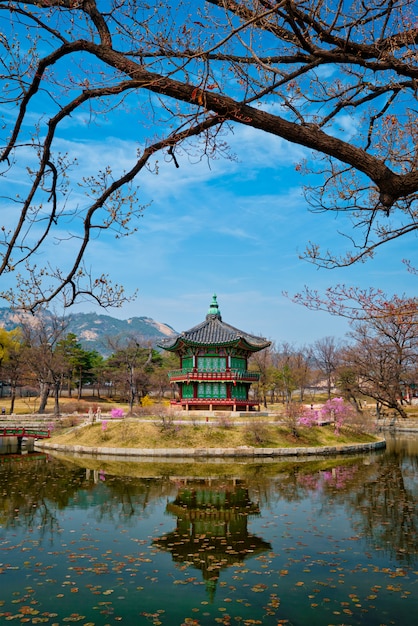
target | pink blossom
x=309, y=418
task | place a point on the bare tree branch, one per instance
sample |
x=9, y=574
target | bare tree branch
x=294, y=70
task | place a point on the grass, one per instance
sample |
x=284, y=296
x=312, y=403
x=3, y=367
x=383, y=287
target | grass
x=24, y=406
x=260, y=471
x=130, y=433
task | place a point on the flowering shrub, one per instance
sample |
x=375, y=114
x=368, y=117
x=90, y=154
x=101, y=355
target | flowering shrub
x=336, y=411
x=309, y=418
x=117, y=413
x=104, y=428
x=146, y=401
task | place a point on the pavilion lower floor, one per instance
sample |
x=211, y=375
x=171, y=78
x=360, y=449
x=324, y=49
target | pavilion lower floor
x=215, y=404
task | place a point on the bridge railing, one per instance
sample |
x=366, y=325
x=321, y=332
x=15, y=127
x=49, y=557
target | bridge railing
x=16, y=431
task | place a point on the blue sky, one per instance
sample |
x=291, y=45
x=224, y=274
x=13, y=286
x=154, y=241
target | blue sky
x=234, y=228
x=231, y=226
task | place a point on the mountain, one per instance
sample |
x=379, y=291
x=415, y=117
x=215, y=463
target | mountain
x=92, y=330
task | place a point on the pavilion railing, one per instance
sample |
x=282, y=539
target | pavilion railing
x=195, y=374
x=215, y=401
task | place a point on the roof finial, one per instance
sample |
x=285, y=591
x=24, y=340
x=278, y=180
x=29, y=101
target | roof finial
x=214, y=308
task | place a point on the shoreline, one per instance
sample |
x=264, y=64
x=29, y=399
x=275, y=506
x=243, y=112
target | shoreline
x=242, y=451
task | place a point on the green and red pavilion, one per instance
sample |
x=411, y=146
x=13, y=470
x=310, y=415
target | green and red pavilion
x=213, y=372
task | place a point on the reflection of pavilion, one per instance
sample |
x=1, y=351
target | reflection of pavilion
x=211, y=532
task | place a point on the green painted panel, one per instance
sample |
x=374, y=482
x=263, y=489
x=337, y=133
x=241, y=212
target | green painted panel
x=187, y=391
x=187, y=362
x=211, y=364
x=239, y=392
x=211, y=390
x=238, y=364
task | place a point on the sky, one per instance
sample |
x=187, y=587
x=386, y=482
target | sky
x=235, y=228
x=232, y=226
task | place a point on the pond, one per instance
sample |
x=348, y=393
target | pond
x=99, y=541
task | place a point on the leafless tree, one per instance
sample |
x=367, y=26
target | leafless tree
x=302, y=369
x=286, y=373
x=262, y=362
x=326, y=356
x=338, y=78
x=382, y=359
x=44, y=363
x=131, y=366
x=380, y=365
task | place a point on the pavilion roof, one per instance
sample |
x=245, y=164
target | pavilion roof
x=214, y=332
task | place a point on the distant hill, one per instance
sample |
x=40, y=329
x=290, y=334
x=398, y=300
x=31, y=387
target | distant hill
x=92, y=329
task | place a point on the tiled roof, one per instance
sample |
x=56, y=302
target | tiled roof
x=213, y=331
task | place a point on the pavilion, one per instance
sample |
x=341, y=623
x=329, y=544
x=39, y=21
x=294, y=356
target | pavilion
x=213, y=372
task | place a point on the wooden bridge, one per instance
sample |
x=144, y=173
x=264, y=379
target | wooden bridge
x=24, y=431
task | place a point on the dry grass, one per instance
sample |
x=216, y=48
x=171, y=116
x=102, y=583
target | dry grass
x=134, y=434
x=30, y=405
x=72, y=406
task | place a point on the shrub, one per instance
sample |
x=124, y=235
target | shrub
x=225, y=422
x=293, y=413
x=75, y=406
x=334, y=411
x=339, y=413
x=168, y=426
x=309, y=418
x=256, y=432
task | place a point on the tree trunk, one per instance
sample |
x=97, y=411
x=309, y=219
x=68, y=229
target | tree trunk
x=43, y=399
x=12, y=399
x=80, y=384
x=57, y=387
x=329, y=388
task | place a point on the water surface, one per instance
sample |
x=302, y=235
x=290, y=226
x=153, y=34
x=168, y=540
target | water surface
x=100, y=541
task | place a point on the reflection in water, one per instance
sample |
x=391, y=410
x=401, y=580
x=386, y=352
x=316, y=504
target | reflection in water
x=290, y=530
x=16, y=445
x=386, y=503
x=379, y=492
x=212, y=528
